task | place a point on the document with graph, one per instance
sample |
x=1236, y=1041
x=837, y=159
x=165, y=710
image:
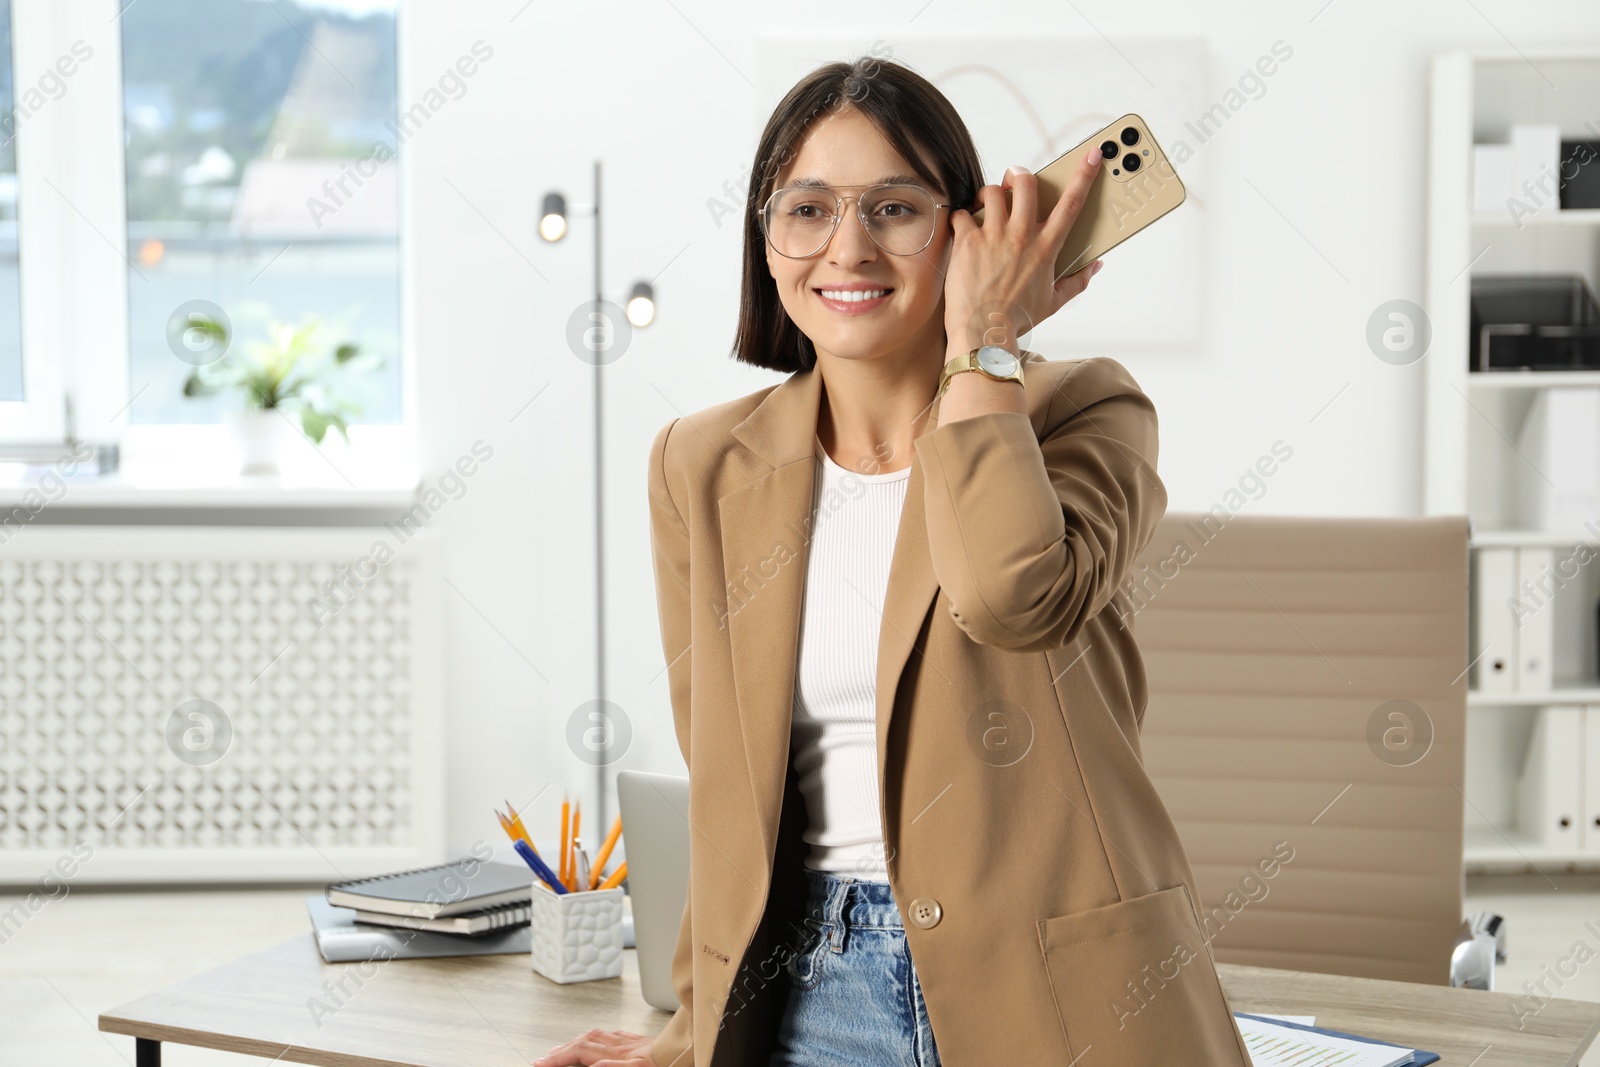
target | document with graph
x=1274, y=1044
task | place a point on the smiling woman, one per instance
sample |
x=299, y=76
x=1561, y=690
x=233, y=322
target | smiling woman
x=923, y=834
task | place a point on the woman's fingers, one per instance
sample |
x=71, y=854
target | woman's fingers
x=1070, y=285
x=1024, y=188
x=1073, y=197
x=992, y=201
x=600, y=1048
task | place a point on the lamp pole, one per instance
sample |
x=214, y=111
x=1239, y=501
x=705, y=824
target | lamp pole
x=595, y=318
x=598, y=336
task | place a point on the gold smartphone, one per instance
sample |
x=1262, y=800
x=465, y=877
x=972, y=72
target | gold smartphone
x=1137, y=185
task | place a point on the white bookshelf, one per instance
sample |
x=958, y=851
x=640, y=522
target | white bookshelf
x=1472, y=465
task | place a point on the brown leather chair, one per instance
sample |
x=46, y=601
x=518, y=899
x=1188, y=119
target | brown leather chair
x=1306, y=717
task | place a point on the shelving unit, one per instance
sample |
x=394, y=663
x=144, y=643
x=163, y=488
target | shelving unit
x=1472, y=464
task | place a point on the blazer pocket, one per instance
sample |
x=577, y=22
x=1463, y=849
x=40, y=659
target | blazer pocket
x=1135, y=986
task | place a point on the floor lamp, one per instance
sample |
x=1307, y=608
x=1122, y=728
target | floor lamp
x=599, y=347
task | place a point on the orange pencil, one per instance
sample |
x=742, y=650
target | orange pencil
x=572, y=864
x=562, y=870
x=605, y=852
x=616, y=876
x=518, y=829
x=513, y=828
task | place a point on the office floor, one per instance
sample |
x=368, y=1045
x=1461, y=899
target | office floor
x=94, y=950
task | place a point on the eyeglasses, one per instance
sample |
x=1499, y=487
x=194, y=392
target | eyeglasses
x=800, y=220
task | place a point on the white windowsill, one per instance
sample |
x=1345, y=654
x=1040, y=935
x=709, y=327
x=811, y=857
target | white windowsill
x=196, y=466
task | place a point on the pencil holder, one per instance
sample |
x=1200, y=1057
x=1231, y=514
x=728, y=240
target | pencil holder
x=577, y=937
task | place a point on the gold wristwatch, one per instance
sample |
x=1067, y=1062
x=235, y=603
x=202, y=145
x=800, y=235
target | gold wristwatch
x=996, y=362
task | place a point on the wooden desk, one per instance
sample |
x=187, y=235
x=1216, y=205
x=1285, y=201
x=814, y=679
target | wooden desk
x=493, y=1011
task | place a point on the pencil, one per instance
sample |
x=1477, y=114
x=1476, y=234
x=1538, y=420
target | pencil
x=572, y=867
x=616, y=876
x=521, y=831
x=605, y=852
x=563, y=865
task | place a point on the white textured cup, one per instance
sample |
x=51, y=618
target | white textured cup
x=577, y=937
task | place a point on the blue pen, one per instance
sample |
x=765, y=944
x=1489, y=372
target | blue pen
x=540, y=867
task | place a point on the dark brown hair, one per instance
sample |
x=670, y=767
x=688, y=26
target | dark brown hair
x=912, y=115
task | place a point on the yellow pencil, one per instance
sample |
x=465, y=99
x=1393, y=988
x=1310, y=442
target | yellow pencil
x=616, y=876
x=605, y=852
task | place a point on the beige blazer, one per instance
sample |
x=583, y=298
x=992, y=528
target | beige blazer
x=1049, y=908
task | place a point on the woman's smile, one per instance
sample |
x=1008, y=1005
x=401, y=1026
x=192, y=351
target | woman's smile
x=854, y=298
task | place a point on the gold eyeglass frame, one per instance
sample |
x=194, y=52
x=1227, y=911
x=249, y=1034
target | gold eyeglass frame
x=838, y=215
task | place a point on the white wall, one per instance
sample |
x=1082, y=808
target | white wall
x=665, y=95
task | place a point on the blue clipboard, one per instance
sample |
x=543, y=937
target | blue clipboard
x=1418, y=1060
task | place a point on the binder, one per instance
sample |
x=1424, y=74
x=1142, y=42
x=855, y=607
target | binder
x=1591, y=778
x=1494, y=642
x=1535, y=617
x=1550, y=793
x=1560, y=440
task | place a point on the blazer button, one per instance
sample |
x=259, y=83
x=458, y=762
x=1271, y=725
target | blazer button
x=925, y=912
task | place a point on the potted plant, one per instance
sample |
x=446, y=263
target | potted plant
x=285, y=380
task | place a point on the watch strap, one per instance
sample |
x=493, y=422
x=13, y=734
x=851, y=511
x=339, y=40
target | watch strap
x=969, y=362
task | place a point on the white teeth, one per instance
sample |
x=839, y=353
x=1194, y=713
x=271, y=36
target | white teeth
x=854, y=295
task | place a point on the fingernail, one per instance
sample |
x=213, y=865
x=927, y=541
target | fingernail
x=1094, y=268
x=1094, y=155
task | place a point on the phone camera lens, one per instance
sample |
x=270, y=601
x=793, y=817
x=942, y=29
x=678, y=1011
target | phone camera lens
x=1130, y=162
x=1130, y=135
x=1109, y=149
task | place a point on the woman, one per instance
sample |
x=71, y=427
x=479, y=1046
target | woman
x=890, y=606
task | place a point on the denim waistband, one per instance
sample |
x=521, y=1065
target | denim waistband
x=846, y=900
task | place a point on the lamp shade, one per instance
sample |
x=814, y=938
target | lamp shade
x=553, y=219
x=641, y=304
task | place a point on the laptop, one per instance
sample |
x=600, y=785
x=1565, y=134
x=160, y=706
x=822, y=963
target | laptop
x=655, y=820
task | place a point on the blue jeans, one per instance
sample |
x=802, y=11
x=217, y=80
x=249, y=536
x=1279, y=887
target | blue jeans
x=854, y=999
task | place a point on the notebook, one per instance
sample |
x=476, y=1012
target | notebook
x=476, y=922
x=435, y=892
x=1277, y=1043
x=341, y=939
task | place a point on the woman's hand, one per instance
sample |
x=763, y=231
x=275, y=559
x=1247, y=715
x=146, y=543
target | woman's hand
x=1006, y=263
x=601, y=1048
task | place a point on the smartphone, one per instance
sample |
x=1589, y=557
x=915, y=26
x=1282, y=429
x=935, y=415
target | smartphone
x=1137, y=185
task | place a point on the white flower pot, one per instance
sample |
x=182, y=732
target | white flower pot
x=260, y=435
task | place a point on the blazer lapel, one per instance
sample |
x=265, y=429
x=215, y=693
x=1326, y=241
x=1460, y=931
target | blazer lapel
x=765, y=526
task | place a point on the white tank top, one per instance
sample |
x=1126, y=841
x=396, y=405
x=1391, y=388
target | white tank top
x=833, y=738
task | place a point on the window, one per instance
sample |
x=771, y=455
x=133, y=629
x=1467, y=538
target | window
x=261, y=181
x=11, y=380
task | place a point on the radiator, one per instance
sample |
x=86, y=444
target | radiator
x=219, y=704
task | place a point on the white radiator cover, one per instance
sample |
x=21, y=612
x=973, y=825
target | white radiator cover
x=320, y=647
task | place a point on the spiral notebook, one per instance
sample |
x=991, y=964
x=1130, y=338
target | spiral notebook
x=436, y=892
x=471, y=924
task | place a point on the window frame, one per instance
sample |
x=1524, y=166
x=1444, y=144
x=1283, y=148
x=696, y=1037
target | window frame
x=73, y=259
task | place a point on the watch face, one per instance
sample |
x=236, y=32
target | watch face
x=997, y=361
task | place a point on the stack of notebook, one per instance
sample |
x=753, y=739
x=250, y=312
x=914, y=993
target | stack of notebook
x=466, y=908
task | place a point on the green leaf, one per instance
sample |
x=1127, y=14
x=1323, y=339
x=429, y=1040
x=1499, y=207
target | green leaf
x=315, y=423
x=346, y=352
